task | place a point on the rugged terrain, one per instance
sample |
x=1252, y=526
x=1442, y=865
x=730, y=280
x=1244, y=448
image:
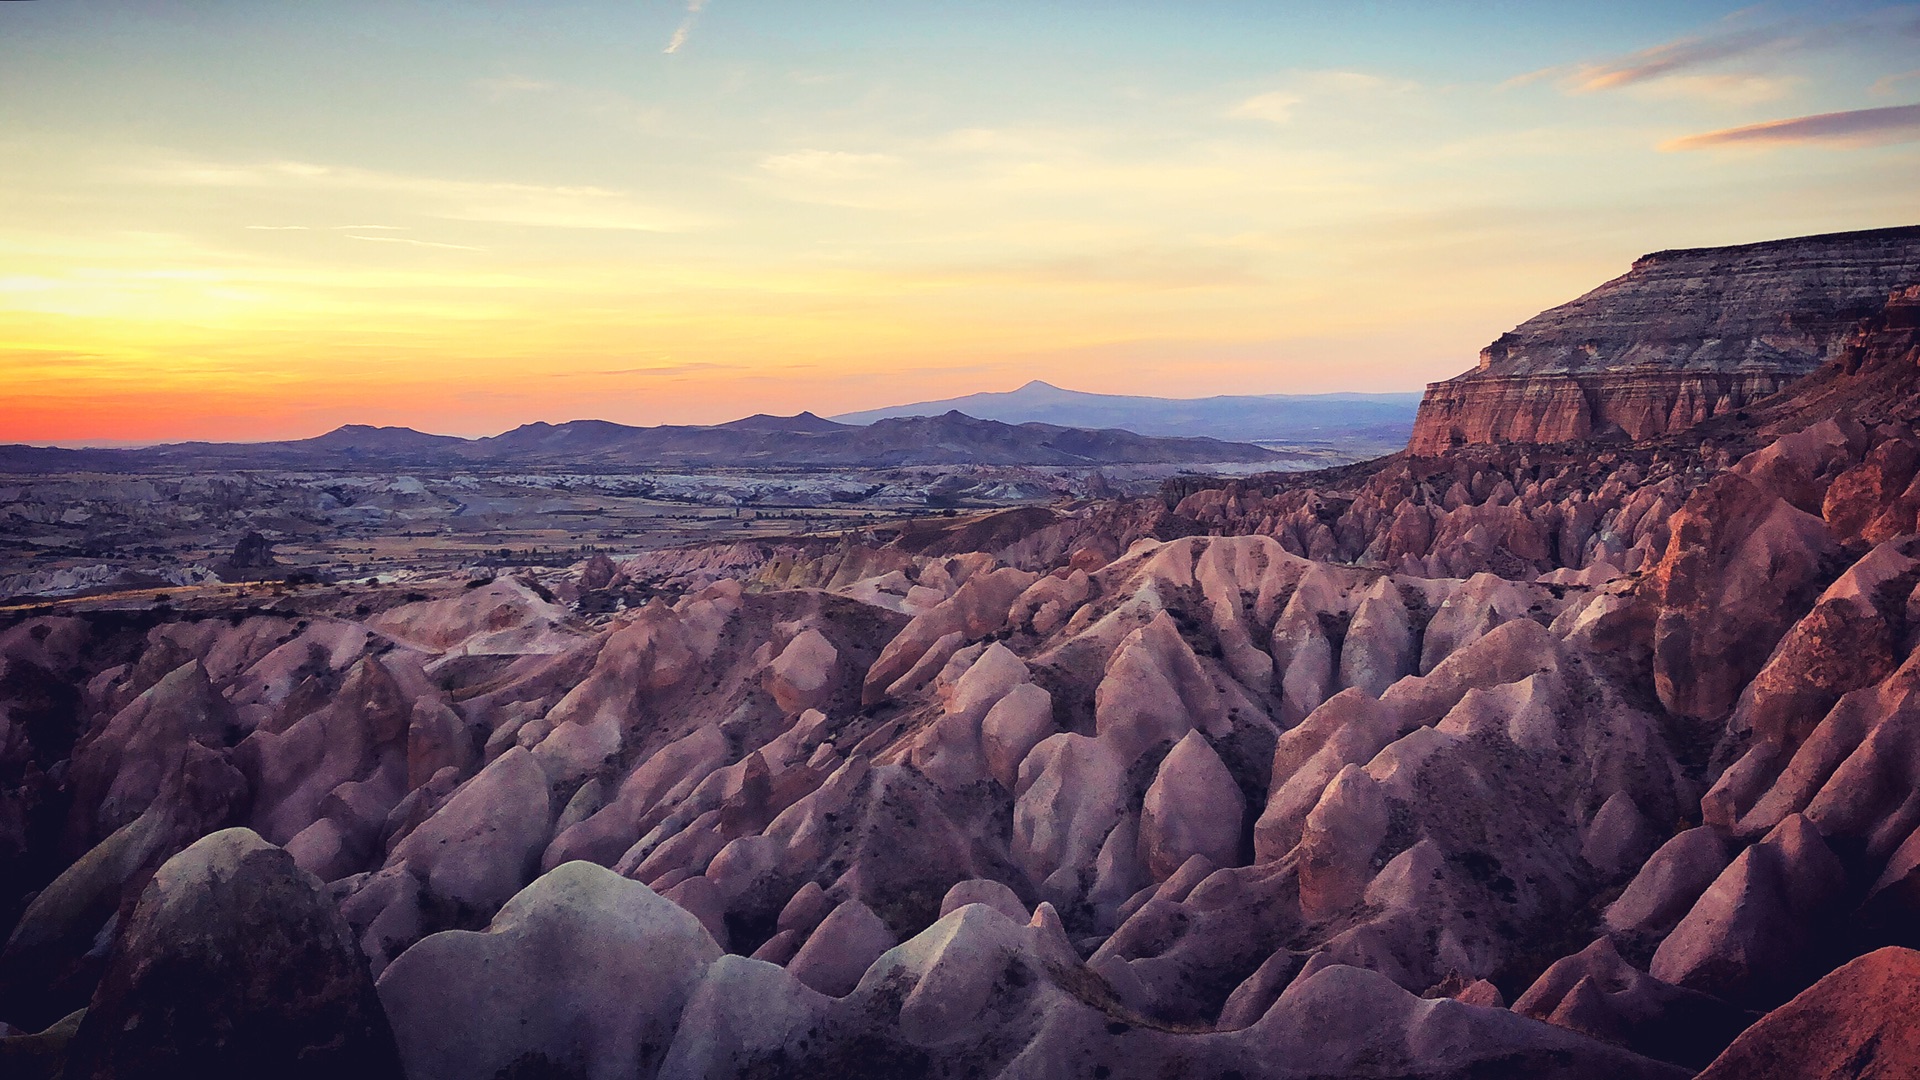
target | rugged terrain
x=1684, y=336
x=66, y=534
x=1517, y=762
x=361, y=501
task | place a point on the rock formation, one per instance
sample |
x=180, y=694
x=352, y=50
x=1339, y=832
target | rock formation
x=234, y=963
x=1683, y=336
x=1855, y=1022
x=1282, y=777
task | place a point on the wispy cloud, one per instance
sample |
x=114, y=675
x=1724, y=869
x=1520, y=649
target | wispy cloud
x=599, y=103
x=1725, y=89
x=507, y=85
x=685, y=29
x=827, y=164
x=1274, y=106
x=1891, y=84
x=1301, y=87
x=1680, y=67
x=415, y=243
x=542, y=206
x=1661, y=61
x=1897, y=123
x=670, y=368
x=371, y=228
x=278, y=228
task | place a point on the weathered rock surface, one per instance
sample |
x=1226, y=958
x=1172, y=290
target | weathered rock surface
x=1855, y=1022
x=233, y=963
x=583, y=973
x=1597, y=993
x=56, y=950
x=1194, y=807
x=840, y=948
x=1682, y=337
x=1749, y=932
x=478, y=848
x=1740, y=563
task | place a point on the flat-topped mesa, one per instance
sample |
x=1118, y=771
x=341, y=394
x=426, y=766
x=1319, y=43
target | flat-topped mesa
x=1683, y=336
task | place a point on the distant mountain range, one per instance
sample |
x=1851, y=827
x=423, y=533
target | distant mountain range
x=1292, y=418
x=759, y=441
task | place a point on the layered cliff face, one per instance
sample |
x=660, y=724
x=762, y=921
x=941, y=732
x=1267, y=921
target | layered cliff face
x=1684, y=336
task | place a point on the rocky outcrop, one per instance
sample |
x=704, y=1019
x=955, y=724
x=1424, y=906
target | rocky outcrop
x=582, y=974
x=1856, y=1022
x=234, y=964
x=1555, y=407
x=1683, y=337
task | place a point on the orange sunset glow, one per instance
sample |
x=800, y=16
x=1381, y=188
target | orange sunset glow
x=247, y=223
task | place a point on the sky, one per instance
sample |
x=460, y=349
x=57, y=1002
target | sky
x=245, y=221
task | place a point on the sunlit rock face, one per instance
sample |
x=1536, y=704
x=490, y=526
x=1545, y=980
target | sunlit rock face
x=1684, y=336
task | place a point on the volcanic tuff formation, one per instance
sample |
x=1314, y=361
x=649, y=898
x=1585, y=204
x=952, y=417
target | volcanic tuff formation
x=1685, y=335
x=1512, y=764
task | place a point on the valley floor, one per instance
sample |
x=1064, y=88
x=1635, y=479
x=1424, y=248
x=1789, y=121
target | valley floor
x=78, y=534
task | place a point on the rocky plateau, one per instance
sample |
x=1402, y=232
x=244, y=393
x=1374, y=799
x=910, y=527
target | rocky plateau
x=1683, y=336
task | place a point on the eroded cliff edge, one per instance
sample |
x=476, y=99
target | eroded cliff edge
x=1684, y=336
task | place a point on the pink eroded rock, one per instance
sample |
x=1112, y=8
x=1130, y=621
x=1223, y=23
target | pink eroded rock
x=1858, y=1021
x=1746, y=936
x=1741, y=566
x=1669, y=883
x=582, y=971
x=1378, y=649
x=1012, y=728
x=1154, y=689
x=1193, y=807
x=976, y=609
x=841, y=949
x=484, y=844
x=982, y=891
x=803, y=674
x=120, y=768
x=1337, y=846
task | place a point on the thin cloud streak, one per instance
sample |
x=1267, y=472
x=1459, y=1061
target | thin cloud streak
x=1665, y=61
x=542, y=206
x=664, y=369
x=827, y=165
x=1896, y=123
x=415, y=243
x=1890, y=83
x=1278, y=106
x=1670, y=58
x=685, y=29
x=1274, y=106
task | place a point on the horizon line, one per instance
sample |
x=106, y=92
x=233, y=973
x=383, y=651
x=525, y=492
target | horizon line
x=834, y=418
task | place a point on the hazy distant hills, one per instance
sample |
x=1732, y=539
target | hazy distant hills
x=1293, y=418
x=1038, y=424
x=756, y=442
